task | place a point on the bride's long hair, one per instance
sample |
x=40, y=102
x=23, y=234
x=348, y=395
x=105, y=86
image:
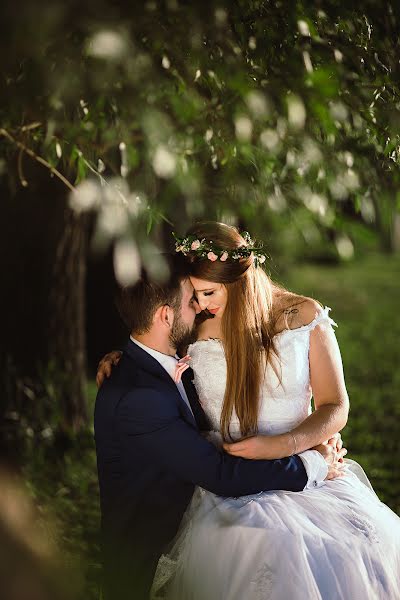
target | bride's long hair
x=254, y=304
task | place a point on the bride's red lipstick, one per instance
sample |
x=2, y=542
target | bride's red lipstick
x=213, y=311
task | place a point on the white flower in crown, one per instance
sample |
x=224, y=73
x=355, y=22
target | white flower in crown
x=224, y=256
x=211, y=256
x=195, y=245
x=261, y=259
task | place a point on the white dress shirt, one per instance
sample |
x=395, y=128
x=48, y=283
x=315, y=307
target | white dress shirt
x=168, y=363
x=315, y=466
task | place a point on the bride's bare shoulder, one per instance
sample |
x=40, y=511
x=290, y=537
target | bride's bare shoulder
x=293, y=311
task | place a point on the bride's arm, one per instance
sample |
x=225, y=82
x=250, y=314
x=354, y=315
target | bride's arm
x=329, y=391
x=330, y=399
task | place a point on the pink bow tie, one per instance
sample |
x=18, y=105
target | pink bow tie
x=181, y=366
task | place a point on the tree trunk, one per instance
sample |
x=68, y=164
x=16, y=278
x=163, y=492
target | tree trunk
x=43, y=259
x=67, y=328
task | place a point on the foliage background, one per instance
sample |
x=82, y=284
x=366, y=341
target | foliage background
x=120, y=121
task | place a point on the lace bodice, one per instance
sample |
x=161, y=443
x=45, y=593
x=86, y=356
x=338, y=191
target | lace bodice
x=282, y=405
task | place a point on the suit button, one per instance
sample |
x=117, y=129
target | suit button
x=315, y=483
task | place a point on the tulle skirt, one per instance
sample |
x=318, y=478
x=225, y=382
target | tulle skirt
x=335, y=542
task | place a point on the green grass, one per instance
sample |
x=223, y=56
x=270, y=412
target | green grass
x=364, y=300
x=66, y=492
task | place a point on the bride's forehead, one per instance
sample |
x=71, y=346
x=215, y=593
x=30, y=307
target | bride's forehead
x=203, y=284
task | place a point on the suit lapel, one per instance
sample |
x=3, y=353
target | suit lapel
x=199, y=414
x=151, y=365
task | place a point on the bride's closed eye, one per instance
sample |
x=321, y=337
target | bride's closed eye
x=208, y=293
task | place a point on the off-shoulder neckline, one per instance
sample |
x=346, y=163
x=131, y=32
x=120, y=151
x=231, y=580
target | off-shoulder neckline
x=323, y=314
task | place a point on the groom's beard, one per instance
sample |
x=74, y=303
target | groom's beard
x=181, y=334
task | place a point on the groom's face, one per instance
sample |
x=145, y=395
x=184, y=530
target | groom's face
x=182, y=332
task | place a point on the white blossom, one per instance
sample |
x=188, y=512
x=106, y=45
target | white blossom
x=106, y=44
x=252, y=43
x=85, y=197
x=303, y=28
x=269, y=139
x=296, y=112
x=243, y=128
x=258, y=104
x=164, y=162
x=344, y=247
x=127, y=262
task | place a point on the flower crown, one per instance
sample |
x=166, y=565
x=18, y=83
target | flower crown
x=207, y=249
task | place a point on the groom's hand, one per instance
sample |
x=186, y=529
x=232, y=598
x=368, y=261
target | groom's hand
x=106, y=364
x=333, y=457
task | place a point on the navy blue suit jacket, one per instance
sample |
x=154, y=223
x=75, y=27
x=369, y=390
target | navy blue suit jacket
x=150, y=456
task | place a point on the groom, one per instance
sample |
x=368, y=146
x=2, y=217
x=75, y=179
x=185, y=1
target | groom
x=150, y=452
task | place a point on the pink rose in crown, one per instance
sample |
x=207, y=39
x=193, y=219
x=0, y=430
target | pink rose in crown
x=211, y=256
x=195, y=245
x=224, y=256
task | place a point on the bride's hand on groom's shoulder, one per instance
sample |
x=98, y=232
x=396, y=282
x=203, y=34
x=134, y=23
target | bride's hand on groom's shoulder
x=259, y=447
x=106, y=364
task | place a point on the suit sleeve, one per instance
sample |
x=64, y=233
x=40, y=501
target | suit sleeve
x=151, y=425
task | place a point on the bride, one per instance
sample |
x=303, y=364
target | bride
x=257, y=360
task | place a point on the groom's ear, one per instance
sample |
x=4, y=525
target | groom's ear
x=165, y=315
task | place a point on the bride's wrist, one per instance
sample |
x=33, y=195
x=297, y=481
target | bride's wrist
x=290, y=443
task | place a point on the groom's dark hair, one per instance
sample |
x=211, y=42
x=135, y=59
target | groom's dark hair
x=138, y=303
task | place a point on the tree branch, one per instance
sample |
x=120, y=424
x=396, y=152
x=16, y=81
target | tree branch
x=34, y=156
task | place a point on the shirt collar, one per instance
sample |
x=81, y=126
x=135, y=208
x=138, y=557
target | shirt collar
x=166, y=361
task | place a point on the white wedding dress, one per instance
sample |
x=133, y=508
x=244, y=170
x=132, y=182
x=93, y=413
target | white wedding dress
x=334, y=542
